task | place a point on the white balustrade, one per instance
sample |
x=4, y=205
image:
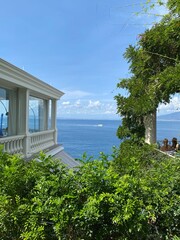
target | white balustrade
x=41, y=140
x=36, y=142
x=13, y=144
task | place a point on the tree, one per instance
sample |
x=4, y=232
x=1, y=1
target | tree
x=155, y=67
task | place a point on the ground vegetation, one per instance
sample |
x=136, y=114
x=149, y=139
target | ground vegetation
x=133, y=196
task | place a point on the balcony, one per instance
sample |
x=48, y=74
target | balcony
x=27, y=111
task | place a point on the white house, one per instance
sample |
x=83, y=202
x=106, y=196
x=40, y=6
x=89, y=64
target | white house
x=27, y=113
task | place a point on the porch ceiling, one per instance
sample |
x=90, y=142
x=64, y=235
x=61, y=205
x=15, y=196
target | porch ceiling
x=13, y=76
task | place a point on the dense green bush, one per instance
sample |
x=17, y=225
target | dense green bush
x=133, y=196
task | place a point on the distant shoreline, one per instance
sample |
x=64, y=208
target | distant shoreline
x=168, y=120
x=87, y=119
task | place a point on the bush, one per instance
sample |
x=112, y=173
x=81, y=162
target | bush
x=134, y=196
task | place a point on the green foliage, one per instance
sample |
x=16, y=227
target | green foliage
x=174, y=6
x=134, y=196
x=155, y=73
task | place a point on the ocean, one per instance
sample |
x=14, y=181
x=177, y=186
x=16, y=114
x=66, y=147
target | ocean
x=95, y=136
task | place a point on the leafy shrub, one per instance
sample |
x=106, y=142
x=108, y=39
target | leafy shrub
x=134, y=196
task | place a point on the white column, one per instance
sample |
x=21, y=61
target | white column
x=46, y=114
x=23, y=119
x=41, y=115
x=53, y=118
x=150, y=128
x=12, y=117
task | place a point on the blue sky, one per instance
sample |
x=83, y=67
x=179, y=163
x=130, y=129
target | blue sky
x=76, y=46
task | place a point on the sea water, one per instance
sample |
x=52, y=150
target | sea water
x=168, y=129
x=95, y=136
x=90, y=136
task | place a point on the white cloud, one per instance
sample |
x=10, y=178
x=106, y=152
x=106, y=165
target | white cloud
x=66, y=103
x=104, y=108
x=86, y=108
x=94, y=104
x=173, y=106
x=108, y=112
x=78, y=103
x=110, y=108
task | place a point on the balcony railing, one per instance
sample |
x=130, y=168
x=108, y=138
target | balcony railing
x=13, y=144
x=41, y=140
x=30, y=144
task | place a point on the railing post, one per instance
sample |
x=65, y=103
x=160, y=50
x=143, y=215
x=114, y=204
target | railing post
x=26, y=145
